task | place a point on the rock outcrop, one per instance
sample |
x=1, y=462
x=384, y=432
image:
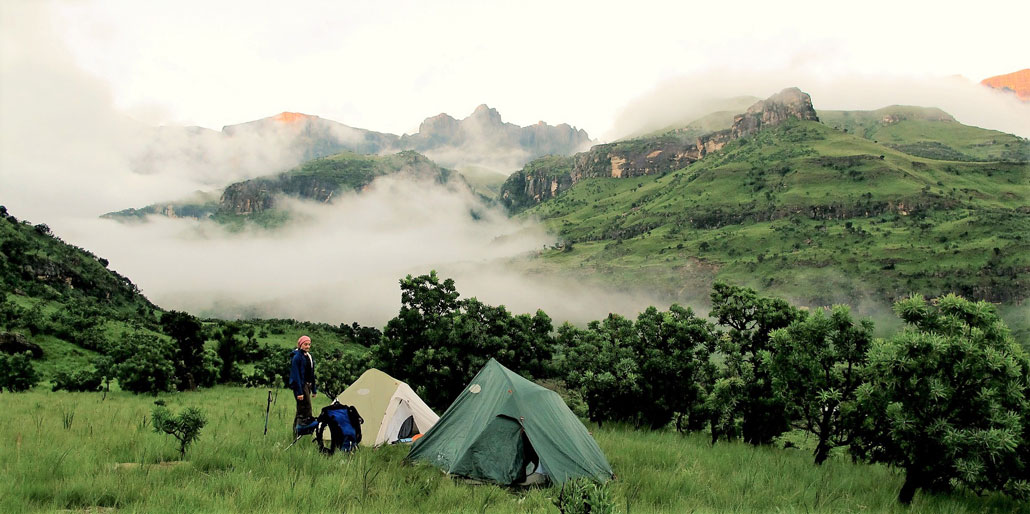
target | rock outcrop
x=13, y=343
x=651, y=155
x=1017, y=82
x=485, y=139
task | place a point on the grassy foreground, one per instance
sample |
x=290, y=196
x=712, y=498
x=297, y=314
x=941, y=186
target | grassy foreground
x=81, y=453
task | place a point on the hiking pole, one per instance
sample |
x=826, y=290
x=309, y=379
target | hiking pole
x=267, y=409
x=294, y=442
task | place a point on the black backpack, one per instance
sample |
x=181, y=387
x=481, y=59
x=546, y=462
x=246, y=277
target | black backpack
x=344, y=428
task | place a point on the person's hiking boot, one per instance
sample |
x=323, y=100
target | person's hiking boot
x=306, y=428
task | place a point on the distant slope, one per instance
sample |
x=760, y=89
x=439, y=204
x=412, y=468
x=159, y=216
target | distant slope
x=546, y=178
x=288, y=139
x=802, y=210
x=319, y=180
x=34, y=262
x=719, y=118
x=63, y=300
x=484, y=181
x=929, y=132
x=314, y=136
x=1017, y=82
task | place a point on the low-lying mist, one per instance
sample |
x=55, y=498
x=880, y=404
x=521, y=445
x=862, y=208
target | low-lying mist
x=341, y=262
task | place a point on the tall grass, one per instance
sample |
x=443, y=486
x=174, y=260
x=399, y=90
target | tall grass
x=75, y=451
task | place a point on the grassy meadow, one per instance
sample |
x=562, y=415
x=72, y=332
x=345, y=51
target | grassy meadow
x=84, y=452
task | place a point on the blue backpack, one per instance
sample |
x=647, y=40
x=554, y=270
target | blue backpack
x=344, y=428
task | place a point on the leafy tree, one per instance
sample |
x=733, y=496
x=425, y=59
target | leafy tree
x=439, y=342
x=104, y=365
x=816, y=368
x=751, y=320
x=185, y=427
x=646, y=372
x=601, y=363
x=236, y=346
x=191, y=365
x=365, y=336
x=17, y=373
x=338, y=369
x=673, y=349
x=143, y=363
x=79, y=321
x=721, y=406
x=946, y=399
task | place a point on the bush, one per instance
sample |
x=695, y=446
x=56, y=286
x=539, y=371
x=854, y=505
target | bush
x=143, y=364
x=83, y=380
x=185, y=427
x=17, y=373
x=272, y=369
x=582, y=496
x=946, y=400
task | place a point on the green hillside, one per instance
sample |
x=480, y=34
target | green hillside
x=320, y=180
x=64, y=302
x=804, y=211
x=929, y=132
x=483, y=181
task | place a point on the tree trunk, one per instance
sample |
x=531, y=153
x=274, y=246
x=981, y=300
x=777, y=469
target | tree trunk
x=908, y=489
x=822, y=451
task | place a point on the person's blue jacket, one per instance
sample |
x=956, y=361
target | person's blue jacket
x=302, y=371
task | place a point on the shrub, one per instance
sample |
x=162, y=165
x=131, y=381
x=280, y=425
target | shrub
x=143, y=364
x=946, y=400
x=82, y=380
x=582, y=496
x=185, y=427
x=17, y=373
x=272, y=369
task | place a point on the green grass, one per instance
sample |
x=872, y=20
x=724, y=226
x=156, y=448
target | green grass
x=80, y=452
x=930, y=133
x=484, y=181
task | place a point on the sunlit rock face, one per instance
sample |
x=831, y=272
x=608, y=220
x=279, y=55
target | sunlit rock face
x=1016, y=82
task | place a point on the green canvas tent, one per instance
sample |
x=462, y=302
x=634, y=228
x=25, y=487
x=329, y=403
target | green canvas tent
x=503, y=427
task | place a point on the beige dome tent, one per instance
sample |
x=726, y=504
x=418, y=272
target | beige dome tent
x=390, y=408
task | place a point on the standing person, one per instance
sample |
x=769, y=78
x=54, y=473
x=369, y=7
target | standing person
x=302, y=380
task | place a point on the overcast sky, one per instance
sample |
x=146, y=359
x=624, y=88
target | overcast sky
x=386, y=65
x=80, y=82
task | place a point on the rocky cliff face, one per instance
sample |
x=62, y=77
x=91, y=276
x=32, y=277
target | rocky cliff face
x=485, y=139
x=1017, y=82
x=649, y=156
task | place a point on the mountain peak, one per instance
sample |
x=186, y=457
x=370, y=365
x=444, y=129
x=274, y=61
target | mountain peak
x=485, y=112
x=292, y=117
x=1017, y=82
